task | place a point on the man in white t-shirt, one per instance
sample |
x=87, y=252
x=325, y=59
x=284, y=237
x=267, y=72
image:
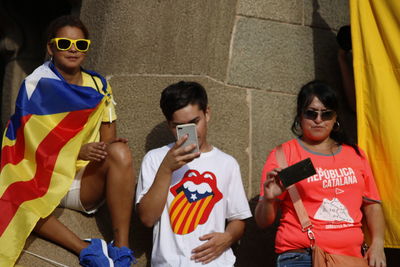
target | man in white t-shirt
x=194, y=200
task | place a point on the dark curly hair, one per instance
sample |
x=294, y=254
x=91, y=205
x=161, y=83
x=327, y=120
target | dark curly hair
x=66, y=20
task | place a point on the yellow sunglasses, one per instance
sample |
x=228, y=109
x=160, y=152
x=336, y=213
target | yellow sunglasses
x=82, y=45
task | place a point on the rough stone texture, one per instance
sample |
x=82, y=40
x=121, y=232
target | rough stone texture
x=97, y=24
x=229, y=125
x=272, y=115
x=263, y=55
x=327, y=14
x=164, y=37
x=290, y=11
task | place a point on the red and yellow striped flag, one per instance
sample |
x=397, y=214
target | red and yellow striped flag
x=375, y=27
x=39, y=150
x=195, y=196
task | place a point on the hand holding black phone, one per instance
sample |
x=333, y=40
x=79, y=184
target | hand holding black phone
x=296, y=172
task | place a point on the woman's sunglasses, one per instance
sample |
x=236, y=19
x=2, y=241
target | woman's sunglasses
x=82, y=45
x=326, y=115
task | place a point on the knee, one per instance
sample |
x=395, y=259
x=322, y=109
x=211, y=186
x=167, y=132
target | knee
x=119, y=153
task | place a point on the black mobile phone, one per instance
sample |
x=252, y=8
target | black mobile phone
x=297, y=172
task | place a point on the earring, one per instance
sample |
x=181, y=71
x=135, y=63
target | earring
x=297, y=127
x=297, y=124
x=336, y=126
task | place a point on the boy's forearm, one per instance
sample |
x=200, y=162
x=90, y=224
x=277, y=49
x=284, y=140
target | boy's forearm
x=235, y=229
x=153, y=202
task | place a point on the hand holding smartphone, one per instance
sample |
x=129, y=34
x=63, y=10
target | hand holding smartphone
x=190, y=130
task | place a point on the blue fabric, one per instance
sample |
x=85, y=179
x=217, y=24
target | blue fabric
x=95, y=254
x=53, y=96
x=122, y=257
x=294, y=259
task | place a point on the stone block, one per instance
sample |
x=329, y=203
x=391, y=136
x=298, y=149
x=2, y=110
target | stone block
x=166, y=37
x=271, y=55
x=272, y=116
x=286, y=11
x=97, y=24
x=281, y=57
x=327, y=14
x=229, y=124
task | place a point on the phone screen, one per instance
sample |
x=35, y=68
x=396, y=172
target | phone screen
x=190, y=130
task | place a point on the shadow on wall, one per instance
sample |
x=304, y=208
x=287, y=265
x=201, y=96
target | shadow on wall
x=159, y=136
x=327, y=67
x=256, y=247
x=325, y=49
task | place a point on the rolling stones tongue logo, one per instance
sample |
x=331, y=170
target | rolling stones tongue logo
x=195, y=197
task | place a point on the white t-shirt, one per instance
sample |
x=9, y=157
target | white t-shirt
x=203, y=194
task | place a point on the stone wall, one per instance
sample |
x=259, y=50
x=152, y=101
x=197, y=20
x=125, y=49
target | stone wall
x=251, y=55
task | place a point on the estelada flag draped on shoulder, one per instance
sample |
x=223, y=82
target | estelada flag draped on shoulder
x=375, y=27
x=40, y=147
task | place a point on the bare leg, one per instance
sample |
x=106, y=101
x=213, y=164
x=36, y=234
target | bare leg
x=51, y=228
x=113, y=178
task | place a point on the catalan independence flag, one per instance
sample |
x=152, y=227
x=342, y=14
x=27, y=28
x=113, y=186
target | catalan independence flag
x=194, y=198
x=39, y=150
x=375, y=27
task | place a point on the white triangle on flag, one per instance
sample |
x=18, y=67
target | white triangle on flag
x=338, y=191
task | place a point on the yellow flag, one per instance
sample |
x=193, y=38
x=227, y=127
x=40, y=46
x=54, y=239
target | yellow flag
x=375, y=28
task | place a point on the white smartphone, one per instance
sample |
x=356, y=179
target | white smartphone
x=190, y=130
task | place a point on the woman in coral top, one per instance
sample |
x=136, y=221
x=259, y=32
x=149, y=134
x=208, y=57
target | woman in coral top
x=336, y=198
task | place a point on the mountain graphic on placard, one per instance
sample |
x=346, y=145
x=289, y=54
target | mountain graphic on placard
x=333, y=210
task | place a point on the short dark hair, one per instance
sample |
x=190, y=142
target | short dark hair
x=63, y=21
x=181, y=94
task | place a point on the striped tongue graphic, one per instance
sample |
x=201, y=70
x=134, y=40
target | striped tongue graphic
x=195, y=197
